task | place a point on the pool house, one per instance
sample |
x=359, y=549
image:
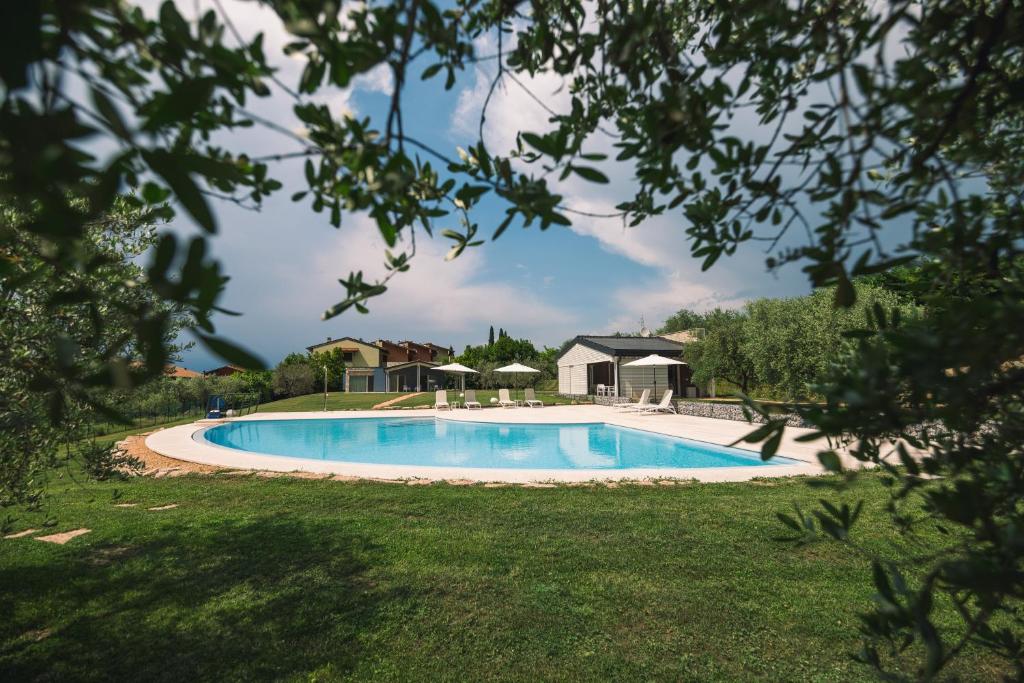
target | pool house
x=595, y=366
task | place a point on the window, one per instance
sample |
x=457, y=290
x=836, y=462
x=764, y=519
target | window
x=347, y=356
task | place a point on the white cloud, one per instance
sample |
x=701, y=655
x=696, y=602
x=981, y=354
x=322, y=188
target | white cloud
x=379, y=79
x=458, y=296
x=657, y=298
x=250, y=19
x=659, y=243
x=511, y=108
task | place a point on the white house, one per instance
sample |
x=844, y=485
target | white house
x=592, y=360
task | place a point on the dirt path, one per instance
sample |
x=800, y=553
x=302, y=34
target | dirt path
x=396, y=399
x=156, y=465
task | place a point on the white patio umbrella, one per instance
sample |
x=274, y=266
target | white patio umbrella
x=459, y=369
x=516, y=368
x=653, y=361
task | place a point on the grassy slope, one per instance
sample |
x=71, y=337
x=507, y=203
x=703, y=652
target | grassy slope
x=360, y=401
x=335, y=401
x=283, y=578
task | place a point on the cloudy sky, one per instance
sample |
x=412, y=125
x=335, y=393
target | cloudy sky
x=595, y=277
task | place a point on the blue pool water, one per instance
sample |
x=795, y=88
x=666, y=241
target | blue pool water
x=426, y=441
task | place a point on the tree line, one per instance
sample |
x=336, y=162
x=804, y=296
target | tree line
x=780, y=348
x=505, y=350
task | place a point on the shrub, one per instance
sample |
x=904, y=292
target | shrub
x=104, y=461
x=293, y=380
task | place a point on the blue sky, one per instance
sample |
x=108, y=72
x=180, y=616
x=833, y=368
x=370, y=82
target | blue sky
x=596, y=277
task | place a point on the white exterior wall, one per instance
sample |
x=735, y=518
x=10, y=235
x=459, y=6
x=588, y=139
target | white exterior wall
x=575, y=362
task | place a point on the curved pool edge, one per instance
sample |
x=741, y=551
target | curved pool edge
x=185, y=442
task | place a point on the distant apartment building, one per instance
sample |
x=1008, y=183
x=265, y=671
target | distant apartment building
x=224, y=371
x=383, y=365
x=177, y=372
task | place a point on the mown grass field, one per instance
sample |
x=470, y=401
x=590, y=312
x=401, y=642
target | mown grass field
x=251, y=578
x=364, y=401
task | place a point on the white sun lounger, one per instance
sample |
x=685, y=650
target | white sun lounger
x=503, y=399
x=441, y=400
x=471, y=401
x=531, y=398
x=644, y=398
x=664, y=406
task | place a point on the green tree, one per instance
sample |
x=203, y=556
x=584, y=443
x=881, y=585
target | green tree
x=296, y=359
x=790, y=343
x=294, y=379
x=720, y=354
x=547, y=363
x=334, y=361
x=490, y=336
x=47, y=325
x=683, y=319
x=504, y=351
x=258, y=382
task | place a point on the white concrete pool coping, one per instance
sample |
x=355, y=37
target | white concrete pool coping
x=185, y=443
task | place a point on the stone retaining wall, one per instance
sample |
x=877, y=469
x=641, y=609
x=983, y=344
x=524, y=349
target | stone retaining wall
x=728, y=411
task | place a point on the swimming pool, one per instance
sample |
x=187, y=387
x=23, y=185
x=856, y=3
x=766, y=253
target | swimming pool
x=426, y=441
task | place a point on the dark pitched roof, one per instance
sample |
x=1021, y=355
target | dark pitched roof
x=236, y=368
x=628, y=346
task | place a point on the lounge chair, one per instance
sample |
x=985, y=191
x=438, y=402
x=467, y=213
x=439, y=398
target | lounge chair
x=470, y=400
x=441, y=400
x=645, y=397
x=664, y=406
x=531, y=398
x=503, y=399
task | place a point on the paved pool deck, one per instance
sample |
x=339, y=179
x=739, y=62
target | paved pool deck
x=185, y=443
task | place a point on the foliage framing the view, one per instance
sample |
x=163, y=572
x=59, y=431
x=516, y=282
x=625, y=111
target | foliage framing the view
x=53, y=353
x=745, y=119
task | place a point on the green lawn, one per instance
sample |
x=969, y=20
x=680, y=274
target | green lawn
x=252, y=578
x=362, y=401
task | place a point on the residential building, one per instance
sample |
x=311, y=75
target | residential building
x=442, y=354
x=384, y=365
x=224, y=371
x=418, y=352
x=685, y=336
x=393, y=352
x=593, y=360
x=176, y=372
x=364, y=363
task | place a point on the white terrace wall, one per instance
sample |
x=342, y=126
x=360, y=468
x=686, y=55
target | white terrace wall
x=572, y=368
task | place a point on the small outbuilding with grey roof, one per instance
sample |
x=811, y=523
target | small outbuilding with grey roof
x=593, y=361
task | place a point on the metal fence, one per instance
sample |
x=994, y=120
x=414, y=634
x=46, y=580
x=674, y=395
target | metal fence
x=136, y=417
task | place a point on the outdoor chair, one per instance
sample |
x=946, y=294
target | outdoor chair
x=664, y=406
x=441, y=400
x=531, y=398
x=470, y=400
x=645, y=397
x=503, y=399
